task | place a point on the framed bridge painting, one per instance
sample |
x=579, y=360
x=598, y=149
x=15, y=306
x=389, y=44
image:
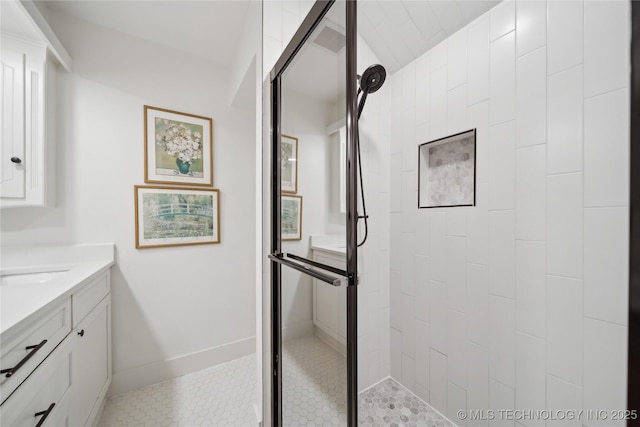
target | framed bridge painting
x=291, y=217
x=289, y=174
x=176, y=216
x=178, y=148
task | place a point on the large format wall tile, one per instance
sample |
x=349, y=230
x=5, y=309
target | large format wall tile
x=506, y=301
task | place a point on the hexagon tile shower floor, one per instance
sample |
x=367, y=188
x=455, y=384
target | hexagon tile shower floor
x=313, y=389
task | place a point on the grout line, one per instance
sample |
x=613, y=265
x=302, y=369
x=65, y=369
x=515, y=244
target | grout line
x=502, y=384
x=569, y=173
x=502, y=296
x=532, y=240
x=531, y=336
x=533, y=145
x=607, y=207
x=564, y=379
x=609, y=92
x=564, y=277
x=500, y=123
x=605, y=321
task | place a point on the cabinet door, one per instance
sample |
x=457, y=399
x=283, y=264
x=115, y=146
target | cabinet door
x=329, y=306
x=92, y=363
x=12, y=175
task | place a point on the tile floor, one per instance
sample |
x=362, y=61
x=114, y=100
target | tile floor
x=390, y=404
x=314, y=384
x=223, y=395
x=314, y=394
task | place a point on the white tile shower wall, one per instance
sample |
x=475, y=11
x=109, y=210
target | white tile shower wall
x=520, y=301
x=376, y=283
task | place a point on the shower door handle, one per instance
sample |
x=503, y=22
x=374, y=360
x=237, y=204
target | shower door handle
x=317, y=264
x=334, y=281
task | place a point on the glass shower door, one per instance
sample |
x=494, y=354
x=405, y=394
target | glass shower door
x=313, y=266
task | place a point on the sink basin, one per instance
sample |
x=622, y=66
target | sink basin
x=29, y=278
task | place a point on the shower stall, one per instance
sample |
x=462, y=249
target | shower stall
x=446, y=223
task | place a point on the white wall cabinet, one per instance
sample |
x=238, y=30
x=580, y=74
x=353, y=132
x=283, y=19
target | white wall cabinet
x=25, y=161
x=330, y=304
x=69, y=387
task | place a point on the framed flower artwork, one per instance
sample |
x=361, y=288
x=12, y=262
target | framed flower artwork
x=176, y=216
x=178, y=147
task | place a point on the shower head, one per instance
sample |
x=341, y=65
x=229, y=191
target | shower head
x=370, y=81
x=373, y=78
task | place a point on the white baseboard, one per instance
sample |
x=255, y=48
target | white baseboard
x=299, y=329
x=330, y=341
x=96, y=420
x=258, y=414
x=152, y=373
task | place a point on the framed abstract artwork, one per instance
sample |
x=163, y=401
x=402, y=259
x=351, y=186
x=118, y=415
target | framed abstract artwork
x=447, y=171
x=289, y=174
x=291, y=217
x=178, y=147
x=176, y=216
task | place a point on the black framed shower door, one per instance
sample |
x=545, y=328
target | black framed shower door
x=323, y=274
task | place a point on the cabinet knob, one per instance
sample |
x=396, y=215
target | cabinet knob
x=16, y=160
x=81, y=333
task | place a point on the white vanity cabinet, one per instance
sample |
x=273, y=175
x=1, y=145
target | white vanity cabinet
x=92, y=355
x=46, y=393
x=65, y=381
x=22, y=351
x=330, y=303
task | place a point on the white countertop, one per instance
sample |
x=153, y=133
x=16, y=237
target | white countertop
x=22, y=300
x=329, y=243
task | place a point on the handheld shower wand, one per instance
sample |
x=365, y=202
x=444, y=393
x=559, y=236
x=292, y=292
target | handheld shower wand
x=370, y=81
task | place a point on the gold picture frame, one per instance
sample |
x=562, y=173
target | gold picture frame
x=176, y=216
x=289, y=164
x=178, y=148
x=291, y=217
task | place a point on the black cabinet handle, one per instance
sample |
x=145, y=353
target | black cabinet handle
x=34, y=349
x=44, y=414
x=16, y=160
x=81, y=333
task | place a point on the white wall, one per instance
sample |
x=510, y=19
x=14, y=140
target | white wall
x=178, y=309
x=245, y=75
x=521, y=301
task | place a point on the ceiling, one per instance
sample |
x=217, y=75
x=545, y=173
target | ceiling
x=207, y=29
x=400, y=31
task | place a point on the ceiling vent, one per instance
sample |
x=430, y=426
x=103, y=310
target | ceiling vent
x=331, y=39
